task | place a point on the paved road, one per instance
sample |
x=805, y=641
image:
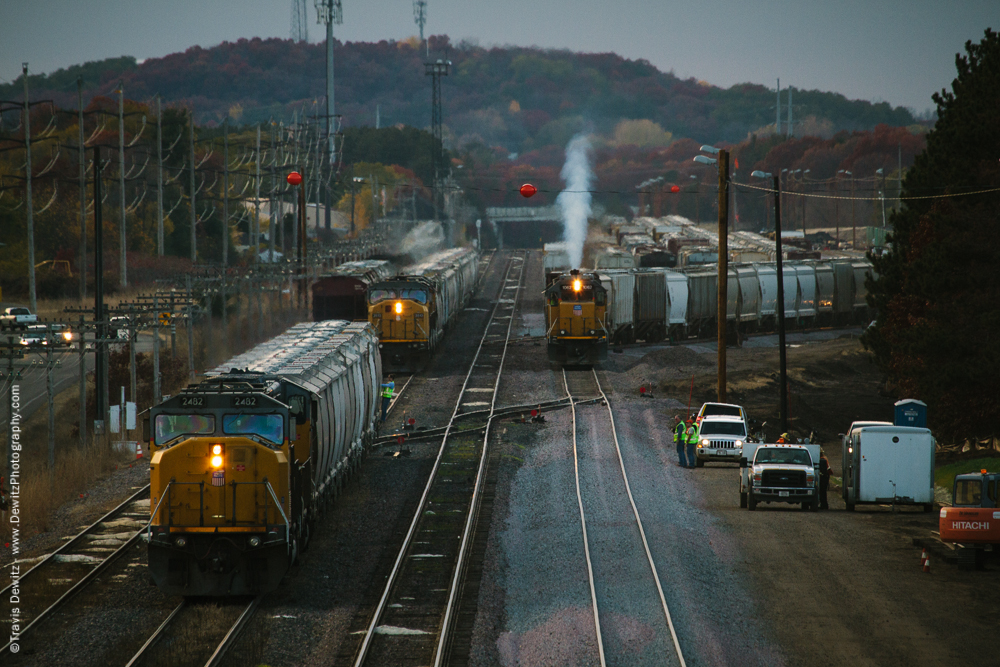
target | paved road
x=65, y=376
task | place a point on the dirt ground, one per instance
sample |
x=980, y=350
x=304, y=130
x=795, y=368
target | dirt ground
x=836, y=587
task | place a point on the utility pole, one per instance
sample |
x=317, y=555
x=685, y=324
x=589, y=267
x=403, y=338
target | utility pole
x=159, y=178
x=82, y=345
x=27, y=196
x=777, y=111
x=854, y=225
x=790, y=125
x=100, y=346
x=723, y=292
x=51, y=395
x=272, y=227
x=82, y=264
x=194, y=215
x=156, y=350
x=255, y=234
x=782, y=365
x=122, y=271
x=225, y=194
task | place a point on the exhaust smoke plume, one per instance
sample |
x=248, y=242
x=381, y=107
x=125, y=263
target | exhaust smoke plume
x=575, y=199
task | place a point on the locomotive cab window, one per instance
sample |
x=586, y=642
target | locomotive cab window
x=168, y=427
x=268, y=427
x=297, y=406
x=600, y=299
x=418, y=295
x=379, y=295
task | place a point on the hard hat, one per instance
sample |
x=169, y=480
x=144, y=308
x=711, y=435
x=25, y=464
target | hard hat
x=784, y=435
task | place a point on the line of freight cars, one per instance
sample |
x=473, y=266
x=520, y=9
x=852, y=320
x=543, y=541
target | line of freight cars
x=658, y=303
x=242, y=462
x=411, y=311
x=409, y=307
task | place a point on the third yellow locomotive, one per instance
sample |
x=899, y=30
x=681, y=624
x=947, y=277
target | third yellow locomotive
x=575, y=306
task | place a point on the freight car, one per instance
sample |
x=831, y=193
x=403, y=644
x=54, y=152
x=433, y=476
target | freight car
x=411, y=311
x=241, y=462
x=653, y=304
x=341, y=295
x=576, y=304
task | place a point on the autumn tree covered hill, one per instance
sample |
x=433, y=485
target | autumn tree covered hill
x=518, y=98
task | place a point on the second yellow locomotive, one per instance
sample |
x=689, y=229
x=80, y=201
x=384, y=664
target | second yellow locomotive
x=575, y=306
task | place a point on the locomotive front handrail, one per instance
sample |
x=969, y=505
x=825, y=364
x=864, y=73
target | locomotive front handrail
x=201, y=504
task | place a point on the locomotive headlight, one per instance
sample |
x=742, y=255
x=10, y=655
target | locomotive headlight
x=399, y=307
x=218, y=458
x=577, y=285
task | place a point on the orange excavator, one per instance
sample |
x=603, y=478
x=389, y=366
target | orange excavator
x=973, y=520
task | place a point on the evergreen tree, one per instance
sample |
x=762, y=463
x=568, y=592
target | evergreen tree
x=937, y=333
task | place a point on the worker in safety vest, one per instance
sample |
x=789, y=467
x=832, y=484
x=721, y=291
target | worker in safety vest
x=388, y=387
x=692, y=440
x=680, y=440
x=783, y=439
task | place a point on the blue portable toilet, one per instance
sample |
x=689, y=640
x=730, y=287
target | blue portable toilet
x=911, y=412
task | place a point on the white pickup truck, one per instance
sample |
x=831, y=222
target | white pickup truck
x=779, y=474
x=17, y=317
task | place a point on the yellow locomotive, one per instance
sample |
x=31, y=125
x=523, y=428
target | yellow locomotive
x=411, y=311
x=241, y=462
x=575, y=305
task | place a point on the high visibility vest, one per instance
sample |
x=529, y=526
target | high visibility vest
x=679, y=433
x=692, y=434
x=387, y=389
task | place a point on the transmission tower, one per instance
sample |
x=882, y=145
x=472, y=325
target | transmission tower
x=300, y=28
x=436, y=70
x=420, y=18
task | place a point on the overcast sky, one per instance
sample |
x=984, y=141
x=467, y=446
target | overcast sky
x=899, y=51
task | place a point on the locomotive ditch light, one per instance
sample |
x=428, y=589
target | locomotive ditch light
x=254, y=541
x=180, y=542
x=399, y=307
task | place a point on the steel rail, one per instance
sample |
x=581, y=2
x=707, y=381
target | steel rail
x=234, y=632
x=583, y=524
x=407, y=540
x=79, y=536
x=638, y=520
x=76, y=588
x=470, y=521
x=140, y=654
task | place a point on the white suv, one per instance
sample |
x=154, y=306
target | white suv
x=720, y=438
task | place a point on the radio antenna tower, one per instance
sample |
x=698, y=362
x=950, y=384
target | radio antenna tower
x=300, y=28
x=420, y=18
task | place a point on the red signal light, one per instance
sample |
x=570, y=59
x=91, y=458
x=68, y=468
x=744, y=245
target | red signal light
x=528, y=190
x=675, y=188
x=294, y=178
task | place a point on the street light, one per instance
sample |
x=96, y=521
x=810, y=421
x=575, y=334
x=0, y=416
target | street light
x=782, y=361
x=702, y=159
x=881, y=193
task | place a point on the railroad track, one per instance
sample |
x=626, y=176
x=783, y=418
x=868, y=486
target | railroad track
x=611, y=535
x=186, y=637
x=57, y=578
x=413, y=621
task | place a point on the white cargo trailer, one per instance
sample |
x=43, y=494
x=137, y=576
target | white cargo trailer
x=889, y=465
